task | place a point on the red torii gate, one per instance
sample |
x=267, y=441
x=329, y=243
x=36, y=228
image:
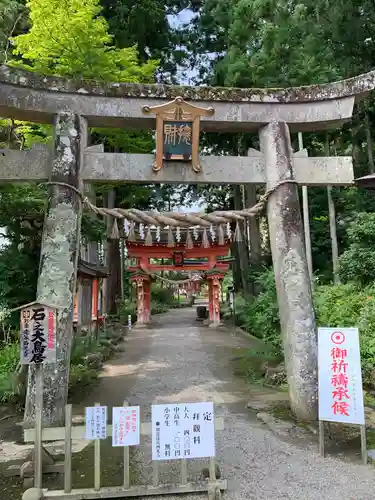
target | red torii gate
x=183, y=258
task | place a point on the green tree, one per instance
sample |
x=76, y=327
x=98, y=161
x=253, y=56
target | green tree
x=70, y=38
x=146, y=24
x=12, y=18
x=357, y=263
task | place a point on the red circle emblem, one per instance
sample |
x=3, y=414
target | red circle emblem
x=338, y=337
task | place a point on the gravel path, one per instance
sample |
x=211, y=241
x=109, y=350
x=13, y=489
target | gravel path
x=177, y=361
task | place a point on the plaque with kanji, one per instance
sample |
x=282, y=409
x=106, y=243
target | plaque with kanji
x=177, y=132
x=178, y=259
x=177, y=140
x=183, y=431
x=38, y=335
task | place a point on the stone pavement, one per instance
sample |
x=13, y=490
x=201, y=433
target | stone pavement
x=177, y=361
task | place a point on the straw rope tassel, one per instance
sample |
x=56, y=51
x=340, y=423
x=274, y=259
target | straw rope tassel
x=148, y=240
x=205, y=242
x=237, y=233
x=221, y=236
x=115, y=233
x=131, y=235
x=189, y=240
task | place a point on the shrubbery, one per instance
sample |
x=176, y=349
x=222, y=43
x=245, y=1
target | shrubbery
x=9, y=359
x=357, y=262
x=260, y=316
x=350, y=305
x=86, y=359
x=162, y=299
x=343, y=305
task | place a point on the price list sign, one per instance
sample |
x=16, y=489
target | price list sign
x=183, y=431
x=96, y=422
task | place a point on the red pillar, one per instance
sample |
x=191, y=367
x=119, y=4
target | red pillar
x=214, y=299
x=95, y=300
x=147, y=298
x=143, y=296
x=140, y=301
x=210, y=301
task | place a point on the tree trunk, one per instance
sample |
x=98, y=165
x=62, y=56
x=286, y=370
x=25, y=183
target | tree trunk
x=370, y=153
x=92, y=246
x=293, y=286
x=58, y=265
x=114, y=278
x=113, y=282
x=332, y=226
x=242, y=253
x=253, y=234
x=306, y=220
x=237, y=280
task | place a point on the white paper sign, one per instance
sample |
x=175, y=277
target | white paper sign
x=96, y=422
x=126, y=426
x=231, y=300
x=340, y=376
x=183, y=431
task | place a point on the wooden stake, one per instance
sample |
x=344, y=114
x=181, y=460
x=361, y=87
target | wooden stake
x=184, y=471
x=68, y=450
x=126, y=462
x=97, y=462
x=155, y=468
x=38, y=424
x=122, y=265
x=363, y=444
x=212, y=469
x=321, y=438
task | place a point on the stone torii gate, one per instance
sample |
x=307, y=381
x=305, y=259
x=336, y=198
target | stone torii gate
x=73, y=107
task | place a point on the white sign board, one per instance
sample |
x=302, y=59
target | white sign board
x=183, y=431
x=96, y=422
x=340, y=377
x=231, y=300
x=38, y=335
x=126, y=426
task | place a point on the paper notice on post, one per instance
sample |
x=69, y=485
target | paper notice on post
x=183, y=431
x=126, y=426
x=96, y=422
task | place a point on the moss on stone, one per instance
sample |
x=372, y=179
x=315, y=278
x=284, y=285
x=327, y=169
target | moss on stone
x=353, y=86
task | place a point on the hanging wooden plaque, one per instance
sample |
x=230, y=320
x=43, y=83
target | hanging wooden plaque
x=177, y=132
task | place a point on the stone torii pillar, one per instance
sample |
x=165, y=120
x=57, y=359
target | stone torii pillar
x=58, y=264
x=293, y=283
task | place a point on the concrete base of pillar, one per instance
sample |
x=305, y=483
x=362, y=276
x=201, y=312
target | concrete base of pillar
x=139, y=325
x=215, y=324
x=33, y=494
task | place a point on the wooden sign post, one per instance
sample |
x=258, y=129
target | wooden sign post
x=177, y=132
x=180, y=432
x=38, y=346
x=340, y=382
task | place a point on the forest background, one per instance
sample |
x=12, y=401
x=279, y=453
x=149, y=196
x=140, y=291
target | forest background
x=241, y=43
